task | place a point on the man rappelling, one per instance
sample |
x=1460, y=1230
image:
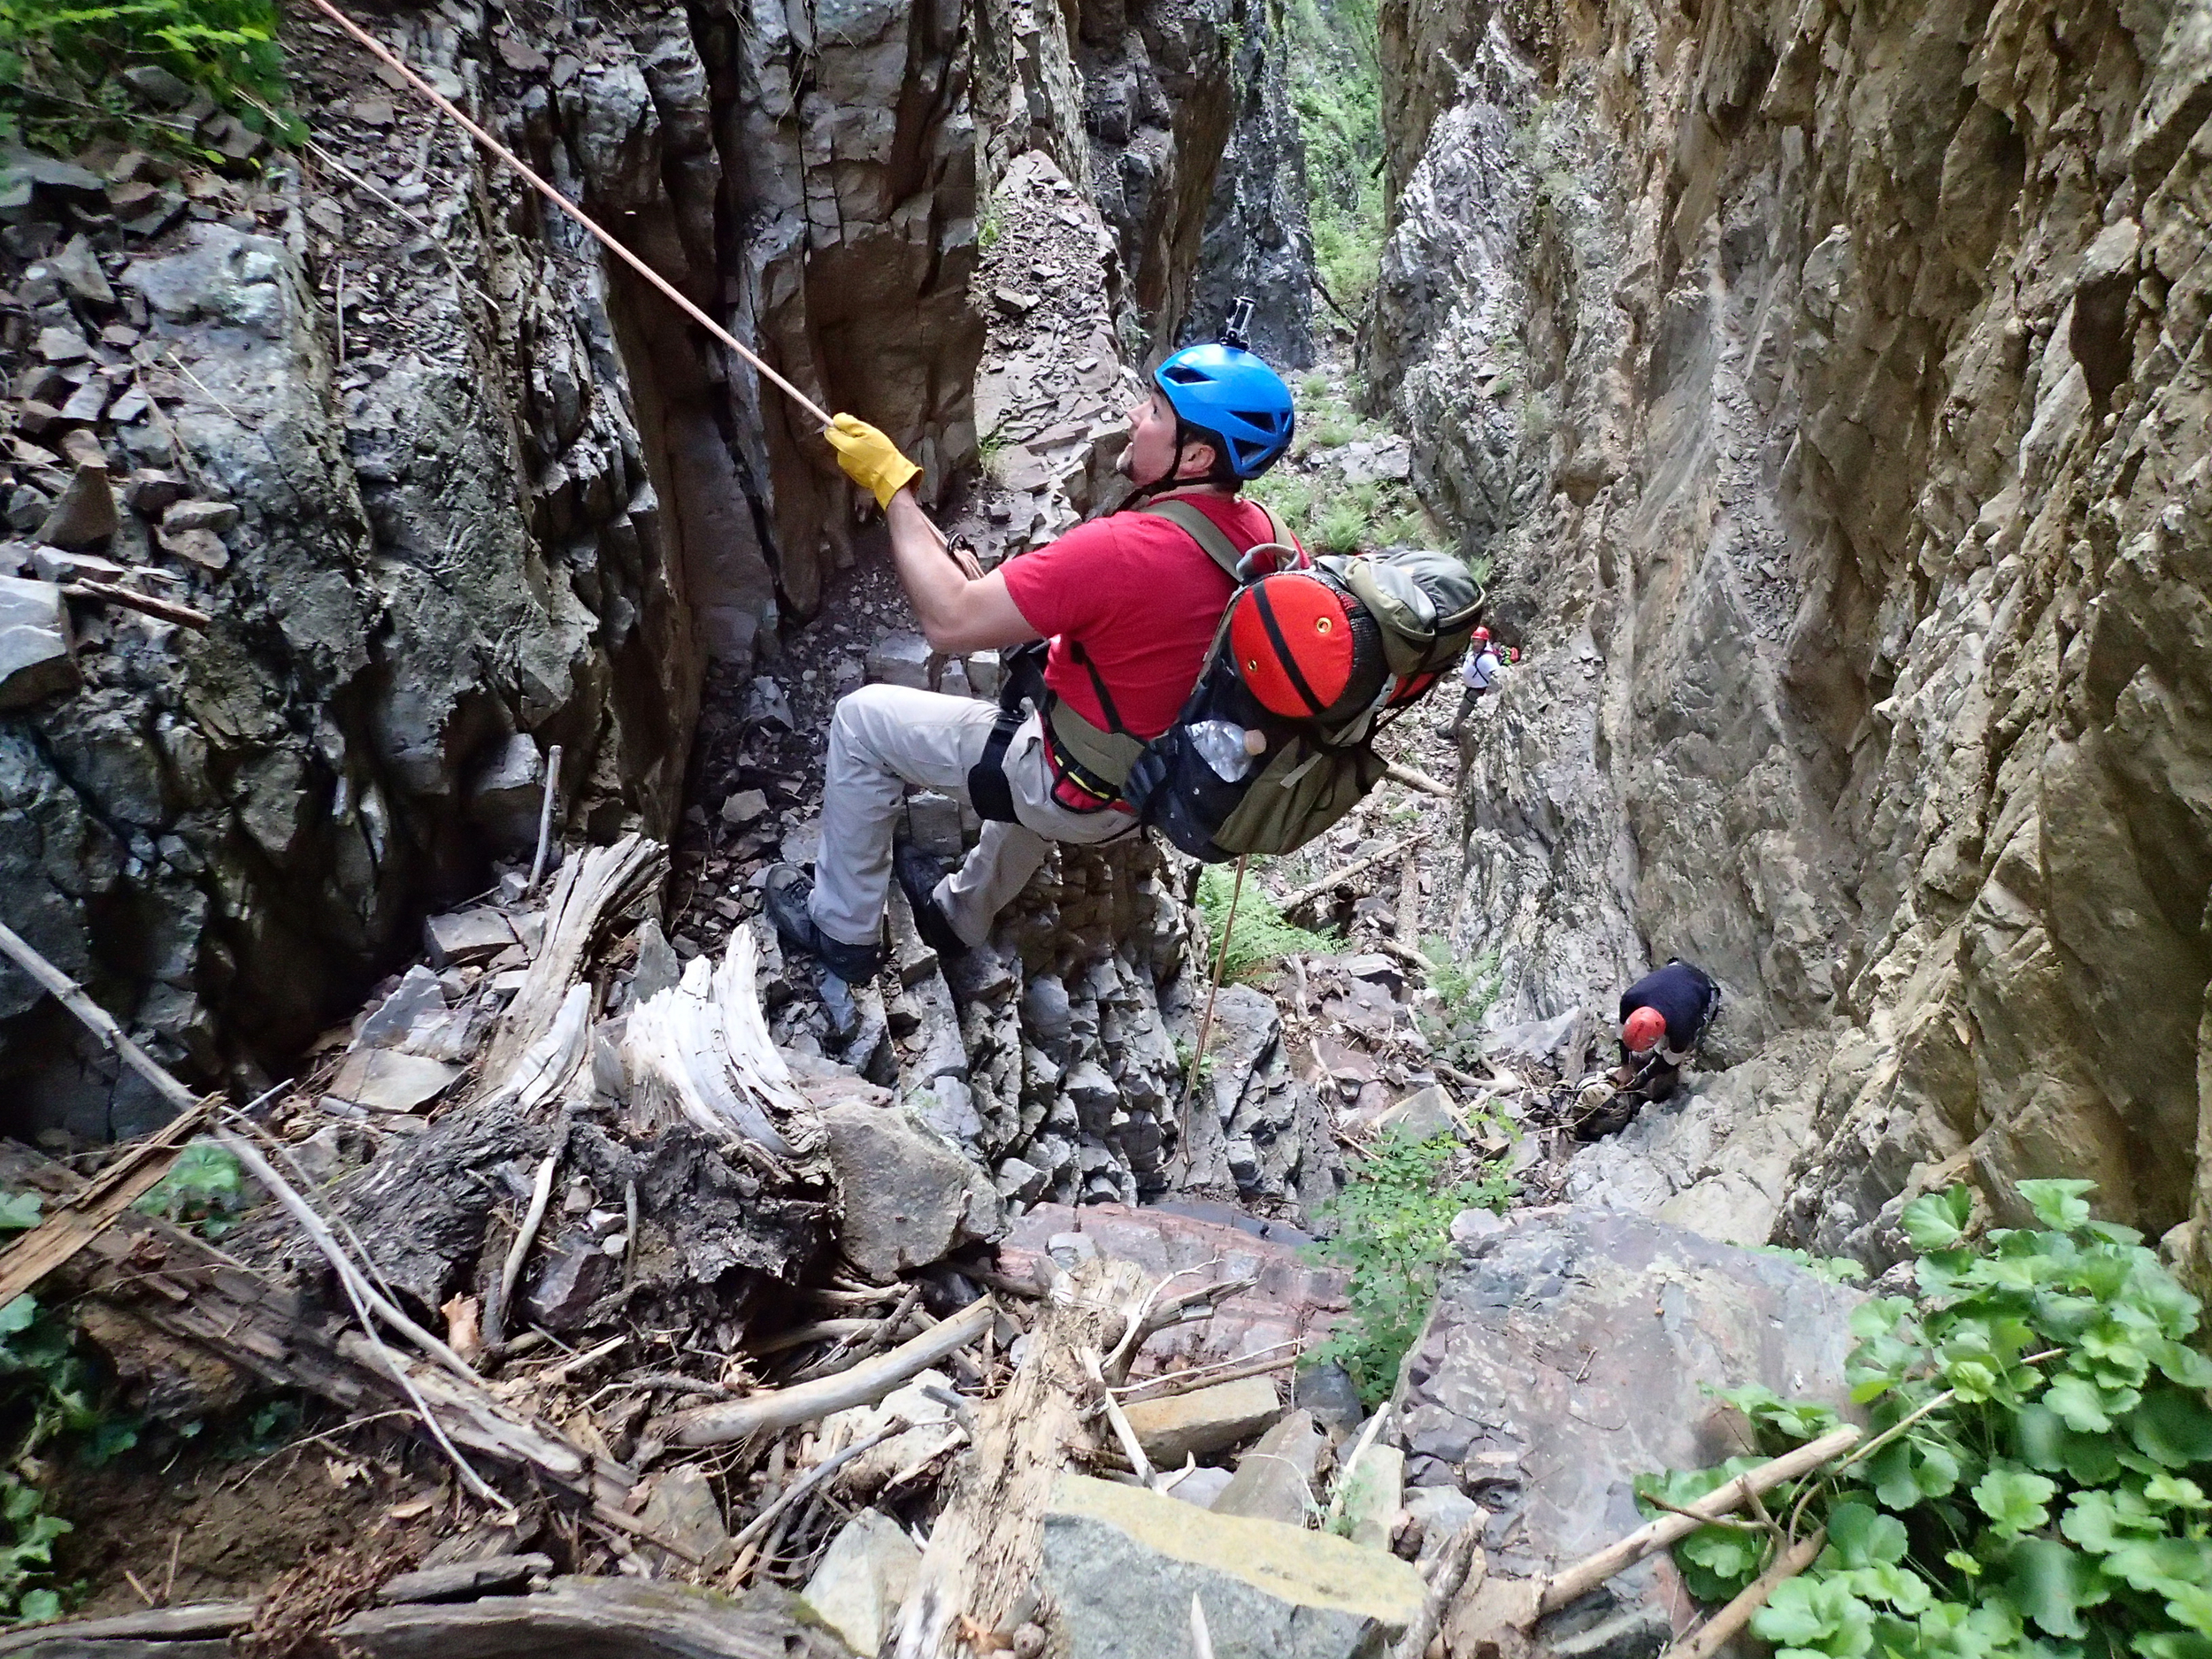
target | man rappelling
x=1131, y=604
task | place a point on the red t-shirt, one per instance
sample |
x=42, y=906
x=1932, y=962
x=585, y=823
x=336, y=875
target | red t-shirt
x=1143, y=599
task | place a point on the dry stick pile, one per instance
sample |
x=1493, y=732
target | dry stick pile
x=709, y=1064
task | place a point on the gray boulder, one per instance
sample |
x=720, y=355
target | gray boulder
x=1122, y=1566
x=1569, y=1352
x=907, y=1197
x=35, y=660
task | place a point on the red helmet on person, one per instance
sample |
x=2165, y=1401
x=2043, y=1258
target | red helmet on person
x=1643, y=1029
x=1482, y=636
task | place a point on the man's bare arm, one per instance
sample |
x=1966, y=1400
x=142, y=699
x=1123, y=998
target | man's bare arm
x=958, y=612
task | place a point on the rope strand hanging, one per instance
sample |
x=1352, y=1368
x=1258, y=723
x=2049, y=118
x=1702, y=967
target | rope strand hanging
x=398, y=65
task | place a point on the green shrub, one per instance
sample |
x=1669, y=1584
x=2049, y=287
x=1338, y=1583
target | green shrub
x=50, y=1394
x=1336, y=87
x=57, y=64
x=1340, y=527
x=204, y=1189
x=1391, y=1226
x=1260, y=938
x=2038, y=1481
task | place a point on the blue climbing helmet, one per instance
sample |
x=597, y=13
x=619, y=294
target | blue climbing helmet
x=1228, y=397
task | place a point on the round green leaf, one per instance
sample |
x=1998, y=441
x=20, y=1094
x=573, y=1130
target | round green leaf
x=2170, y=1426
x=2015, y=1500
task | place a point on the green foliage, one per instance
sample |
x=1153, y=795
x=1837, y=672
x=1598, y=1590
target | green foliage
x=1261, y=937
x=1832, y=1270
x=204, y=1189
x=58, y=63
x=1336, y=87
x=1467, y=991
x=1391, y=1226
x=2035, y=1482
x=52, y=1397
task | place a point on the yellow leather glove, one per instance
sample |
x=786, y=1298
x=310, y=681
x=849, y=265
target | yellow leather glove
x=870, y=459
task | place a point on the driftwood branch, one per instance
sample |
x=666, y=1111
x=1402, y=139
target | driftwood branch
x=773, y=1409
x=1308, y=893
x=545, y=813
x=1585, y=1575
x=165, y=610
x=518, y=1252
x=1420, y=781
x=1124, y=1431
x=71, y=995
x=812, y=1478
x=1183, y=1382
x=1718, y=1630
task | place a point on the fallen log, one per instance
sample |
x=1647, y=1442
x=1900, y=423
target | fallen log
x=1311, y=891
x=590, y=890
x=159, y=1624
x=1717, y=1631
x=589, y=1616
x=774, y=1408
x=984, y=1551
x=70, y=1226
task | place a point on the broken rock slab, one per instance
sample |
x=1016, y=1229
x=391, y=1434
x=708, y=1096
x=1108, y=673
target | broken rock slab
x=1279, y=1479
x=36, y=658
x=466, y=936
x=907, y=1197
x=1204, y=1420
x=1295, y=1301
x=1122, y=1564
x=901, y=659
x=1569, y=1351
x=418, y=1001
x=863, y=1580
x=386, y=1081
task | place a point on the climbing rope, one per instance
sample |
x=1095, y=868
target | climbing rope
x=391, y=60
x=1206, y=1023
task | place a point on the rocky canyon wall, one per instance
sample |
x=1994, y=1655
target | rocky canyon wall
x=1828, y=384
x=456, y=488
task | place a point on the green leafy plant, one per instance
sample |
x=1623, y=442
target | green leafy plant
x=1336, y=87
x=51, y=1394
x=1391, y=1226
x=204, y=1189
x=1466, y=992
x=58, y=64
x=1261, y=937
x=2038, y=1476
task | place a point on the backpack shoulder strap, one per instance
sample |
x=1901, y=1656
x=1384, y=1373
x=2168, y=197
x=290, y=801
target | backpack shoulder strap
x=1202, y=530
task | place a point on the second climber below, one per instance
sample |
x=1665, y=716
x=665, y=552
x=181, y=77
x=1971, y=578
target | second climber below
x=1130, y=603
x=1663, y=1016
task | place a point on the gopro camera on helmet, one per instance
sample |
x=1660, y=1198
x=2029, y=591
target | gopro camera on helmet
x=1238, y=330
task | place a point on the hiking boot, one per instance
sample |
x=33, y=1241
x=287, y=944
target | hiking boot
x=785, y=895
x=918, y=874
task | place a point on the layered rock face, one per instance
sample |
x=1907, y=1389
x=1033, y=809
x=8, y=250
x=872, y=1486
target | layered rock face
x=470, y=489
x=1828, y=386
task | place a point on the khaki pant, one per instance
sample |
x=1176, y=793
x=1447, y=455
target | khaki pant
x=884, y=737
